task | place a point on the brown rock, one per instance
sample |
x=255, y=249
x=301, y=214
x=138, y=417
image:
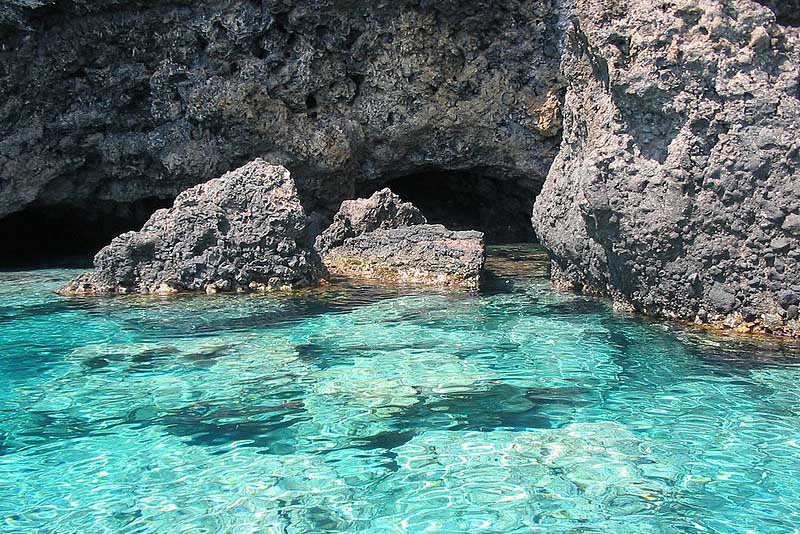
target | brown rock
x=427, y=255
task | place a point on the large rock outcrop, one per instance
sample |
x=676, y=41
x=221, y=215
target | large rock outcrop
x=677, y=187
x=423, y=254
x=245, y=231
x=107, y=104
x=674, y=187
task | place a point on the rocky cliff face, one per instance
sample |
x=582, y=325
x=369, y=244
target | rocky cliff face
x=110, y=103
x=675, y=188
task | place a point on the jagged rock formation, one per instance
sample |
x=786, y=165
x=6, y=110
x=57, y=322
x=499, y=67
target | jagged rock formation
x=125, y=101
x=382, y=238
x=245, y=231
x=383, y=210
x=677, y=187
x=424, y=254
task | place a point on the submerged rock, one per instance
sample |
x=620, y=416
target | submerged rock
x=245, y=231
x=425, y=254
x=382, y=210
x=555, y=473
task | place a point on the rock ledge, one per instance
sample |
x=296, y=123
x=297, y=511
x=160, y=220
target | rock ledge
x=425, y=254
x=382, y=210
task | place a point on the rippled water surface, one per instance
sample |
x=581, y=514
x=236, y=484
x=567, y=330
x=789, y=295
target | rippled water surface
x=517, y=410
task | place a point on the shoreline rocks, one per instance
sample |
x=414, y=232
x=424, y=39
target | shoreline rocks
x=245, y=231
x=383, y=210
x=676, y=191
x=385, y=240
x=424, y=254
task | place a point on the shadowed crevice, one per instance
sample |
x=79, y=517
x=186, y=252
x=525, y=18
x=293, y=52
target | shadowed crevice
x=787, y=12
x=472, y=200
x=55, y=233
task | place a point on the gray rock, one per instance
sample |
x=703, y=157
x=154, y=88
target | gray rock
x=679, y=150
x=679, y=153
x=772, y=213
x=780, y=244
x=721, y=300
x=118, y=101
x=245, y=231
x=425, y=254
x=788, y=298
x=792, y=224
x=382, y=210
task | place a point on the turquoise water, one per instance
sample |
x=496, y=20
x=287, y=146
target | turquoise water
x=518, y=410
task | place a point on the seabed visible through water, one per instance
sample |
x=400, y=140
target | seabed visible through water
x=353, y=409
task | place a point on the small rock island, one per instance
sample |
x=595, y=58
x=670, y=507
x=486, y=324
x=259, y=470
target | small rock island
x=247, y=231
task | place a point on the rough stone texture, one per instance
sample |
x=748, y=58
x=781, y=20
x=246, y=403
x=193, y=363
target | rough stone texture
x=124, y=100
x=382, y=210
x=677, y=186
x=245, y=231
x=787, y=12
x=424, y=254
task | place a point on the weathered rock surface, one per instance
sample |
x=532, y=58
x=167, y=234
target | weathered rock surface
x=384, y=239
x=245, y=231
x=677, y=186
x=382, y=210
x=109, y=103
x=424, y=254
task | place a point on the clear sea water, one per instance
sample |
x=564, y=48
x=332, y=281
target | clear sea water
x=358, y=410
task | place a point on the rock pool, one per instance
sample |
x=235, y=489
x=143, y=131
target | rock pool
x=359, y=410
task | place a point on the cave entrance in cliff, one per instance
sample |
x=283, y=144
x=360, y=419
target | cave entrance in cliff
x=497, y=204
x=67, y=234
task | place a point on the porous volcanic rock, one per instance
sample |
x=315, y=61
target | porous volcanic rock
x=106, y=103
x=677, y=186
x=245, y=231
x=423, y=254
x=673, y=185
x=382, y=210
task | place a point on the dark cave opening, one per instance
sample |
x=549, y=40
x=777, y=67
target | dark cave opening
x=69, y=234
x=787, y=12
x=498, y=205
